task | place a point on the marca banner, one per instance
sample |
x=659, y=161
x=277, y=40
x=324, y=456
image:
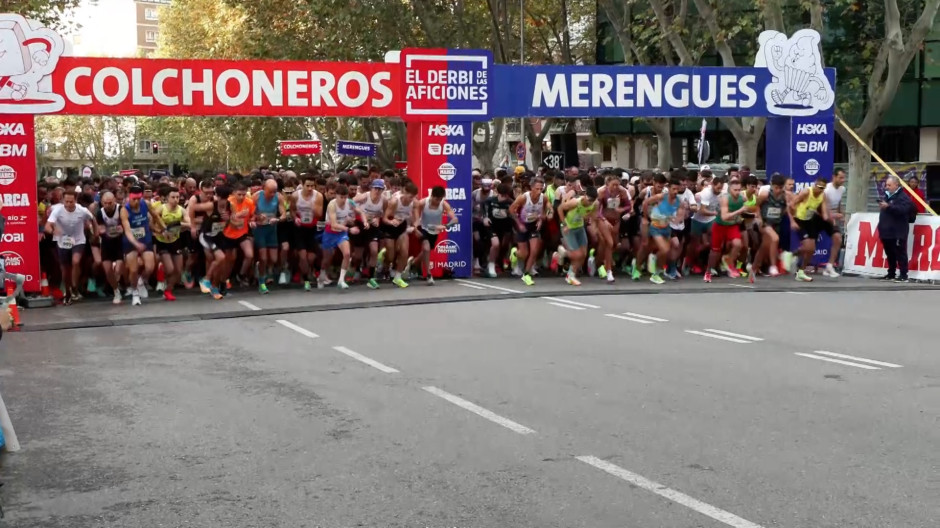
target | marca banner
x=355, y=148
x=19, y=246
x=864, y=253
x=439, y=154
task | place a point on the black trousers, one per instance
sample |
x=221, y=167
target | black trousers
x=896, y=251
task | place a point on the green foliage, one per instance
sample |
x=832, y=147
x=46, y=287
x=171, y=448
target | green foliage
x=51, y=13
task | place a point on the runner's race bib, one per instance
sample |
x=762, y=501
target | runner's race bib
x=499, y=214
x=774, y=213
x=114, y=230
x=217, y=228
x=139, y=232
x=613, y=203
x=531, y=217
x=306, y=217
x=66, y=242
x=321, y=225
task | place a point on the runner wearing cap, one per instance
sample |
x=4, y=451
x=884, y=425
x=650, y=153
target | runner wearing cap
x=372, y=204
x=137, y=218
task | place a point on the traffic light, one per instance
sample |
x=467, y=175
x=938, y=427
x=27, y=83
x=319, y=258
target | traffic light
x=155, y=147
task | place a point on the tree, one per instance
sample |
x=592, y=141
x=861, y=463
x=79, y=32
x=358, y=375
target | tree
x=887, y=37
x=626, y=20
x=50, y=13
x=107, y=143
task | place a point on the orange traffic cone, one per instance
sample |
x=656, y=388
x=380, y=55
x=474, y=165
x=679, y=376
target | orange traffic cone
x=44, y=286
x=161, y=278
x=14, y=311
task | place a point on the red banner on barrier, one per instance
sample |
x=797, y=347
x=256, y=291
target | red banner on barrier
x=225, y=88
x=864, y=252
x=19, y=246
x=301, y=147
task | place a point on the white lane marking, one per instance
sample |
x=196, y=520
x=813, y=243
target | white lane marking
x=571, y=302
x=483, y=285
x=298, y=329
x=371, y=362
x=476, y=409
x=568, y=306
x=797, y=293
x=471, y=286
x=714, y=336
x=839, y=361
x=625, y=318
x=250, y=306
x=732, y=334
x=650, y=317
x=741, y=286
x=856, y=358
x=675, y=496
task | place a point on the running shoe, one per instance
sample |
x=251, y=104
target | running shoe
x=188, y=281
x=554, y=265
x=117, y=296
x=216, y=294
x=602, y=272
x=282, y=280
x=708, y=276
x=656, y=279
x=398, y=281
x=572, y=280
x=672, y=274
x=135, y=299
x=307, y=286
x=527, y=279
x=142, y=288
x=830, y=272
x=381, y=258
x=610, y=277
x=342, y=285
x=801, y=276
x=734, y=273
x=168, y=295
x=263, y=289
x=92, y=285
x=636, y=274
x=773, y=271
x=205, y=286
x=430, y=280
x=373, y=284
x=750, y=273
x=513, y=259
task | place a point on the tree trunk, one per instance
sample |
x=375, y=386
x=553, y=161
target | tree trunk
x=747, y=151
x=859, y=177
x=663, y=133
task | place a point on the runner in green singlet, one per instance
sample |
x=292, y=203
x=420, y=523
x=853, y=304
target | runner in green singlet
x=574, y=211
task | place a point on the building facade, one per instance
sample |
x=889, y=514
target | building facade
x=148, y=24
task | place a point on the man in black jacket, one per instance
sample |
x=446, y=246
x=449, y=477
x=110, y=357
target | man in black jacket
x=893, y=227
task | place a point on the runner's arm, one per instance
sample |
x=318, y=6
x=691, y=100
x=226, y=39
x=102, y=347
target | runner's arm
x=797, y=200
x=388, y=216
x=449, y=211
x=331, y=217
x=723, y=207
x=126, y=223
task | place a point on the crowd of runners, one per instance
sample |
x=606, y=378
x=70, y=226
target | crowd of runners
x=123, y=236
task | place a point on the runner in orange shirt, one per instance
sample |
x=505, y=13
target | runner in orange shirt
x=235, y=235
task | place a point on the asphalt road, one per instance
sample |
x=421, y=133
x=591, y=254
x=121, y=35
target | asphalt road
x=686, y=410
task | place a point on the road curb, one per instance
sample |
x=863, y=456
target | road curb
x=495, y=296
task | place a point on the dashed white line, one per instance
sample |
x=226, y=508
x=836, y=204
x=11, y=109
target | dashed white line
x=250, y=306
x=298, y=329
x=368, y=361
x=625, y=318
x=715, y=336
x=568, y=306
x=856, y=358
x=585, y=305
x=839, y=361
x=476, y=409
x=483, y=285
x=475, y=287
x=675, y=496
x=741, y=286
x=732, y=334
x=650, y=317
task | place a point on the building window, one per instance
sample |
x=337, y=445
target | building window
x=150, y=36
x=608, y=152
x=144, y=147
x=150, y=13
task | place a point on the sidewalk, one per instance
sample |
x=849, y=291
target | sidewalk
x=192, y=305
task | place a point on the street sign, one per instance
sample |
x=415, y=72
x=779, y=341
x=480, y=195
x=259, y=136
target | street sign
x=520, y=151
x=355, y=148
x=299, y=147
x=554, y=160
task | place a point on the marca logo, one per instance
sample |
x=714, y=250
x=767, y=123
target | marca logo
x=447, y=247
x=13, y=151
x=13, y=237
x=445, y=130
x=15, y=199
x=12, y=129
x=7, y=175
x=812, y=146
x=811, y=167
x=812, y=129
x=447, y=171
x=456, y=193
x=447, y=149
